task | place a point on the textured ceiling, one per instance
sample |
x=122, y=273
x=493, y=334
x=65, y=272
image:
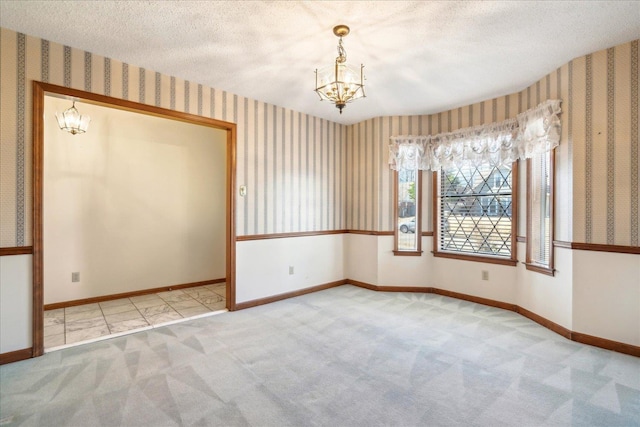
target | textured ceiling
x=420, y=57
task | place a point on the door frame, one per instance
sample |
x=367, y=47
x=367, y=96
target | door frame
x=41, y=89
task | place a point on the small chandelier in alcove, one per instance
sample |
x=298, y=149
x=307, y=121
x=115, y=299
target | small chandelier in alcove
x=340, y=83
x=72, y=121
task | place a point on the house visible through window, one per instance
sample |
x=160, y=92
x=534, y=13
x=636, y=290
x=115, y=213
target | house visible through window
x=475, y=210
x=407, y=190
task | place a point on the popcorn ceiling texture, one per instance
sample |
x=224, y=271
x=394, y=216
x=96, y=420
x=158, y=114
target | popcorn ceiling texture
x=420, y=57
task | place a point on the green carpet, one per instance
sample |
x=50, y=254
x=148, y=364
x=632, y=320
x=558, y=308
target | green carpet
x=341, y=357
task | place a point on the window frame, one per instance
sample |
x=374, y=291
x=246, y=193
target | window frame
x=396, y=229
x=512, y=260
x=530, y=265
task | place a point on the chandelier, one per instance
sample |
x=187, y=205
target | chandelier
x=72, y=121
x=340, y=83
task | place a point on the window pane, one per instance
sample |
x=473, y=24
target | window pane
x=539, y=240
x=407, y=209
x=475, y=210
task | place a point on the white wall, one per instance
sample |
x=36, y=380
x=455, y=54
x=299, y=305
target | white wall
x=137, y=202
x=15, y=302
x=361, y=258
x=413, y=271
x=262, y=266
x=548, y=296
x=606, y=295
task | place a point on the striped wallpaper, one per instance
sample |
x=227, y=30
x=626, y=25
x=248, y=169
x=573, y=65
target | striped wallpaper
x=294, y=165
x=308, y=174
x=597, y=160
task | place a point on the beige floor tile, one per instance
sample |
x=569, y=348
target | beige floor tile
x=148, y=312
x=164, y=317
x=127, y=325
x=114, y=302
x=58, y=312
x=121, y=317
x=54, y=329
x=174, y=296
x=144, y=297
x=220, y=289
x=79, y=325
x=184, y=304
x=79, y=308
x=118, y=309
x=87, y=334
x=149, y=303
x=85, y=322
x=53, y=340
x=83, y=315
x=198, y=290
x=54, y=317
x=220, y=305
x=207, y=300
x=194, y=311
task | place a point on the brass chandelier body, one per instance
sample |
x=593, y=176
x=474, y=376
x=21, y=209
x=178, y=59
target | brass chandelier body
x=72, y=121
x=340, y=83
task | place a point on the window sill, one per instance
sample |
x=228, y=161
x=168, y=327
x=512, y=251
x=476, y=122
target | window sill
x=541, y=269
x=407, y=253
x=476, y=258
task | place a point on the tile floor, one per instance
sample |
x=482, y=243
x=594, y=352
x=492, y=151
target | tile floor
x=70, y=325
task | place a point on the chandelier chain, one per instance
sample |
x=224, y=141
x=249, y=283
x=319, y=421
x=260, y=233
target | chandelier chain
x=342, y=54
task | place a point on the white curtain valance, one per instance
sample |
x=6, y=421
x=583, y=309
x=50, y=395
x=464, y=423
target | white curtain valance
x=535, y=130
x=539, y=129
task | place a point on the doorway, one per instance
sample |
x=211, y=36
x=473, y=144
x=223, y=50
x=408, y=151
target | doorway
x=181, y=214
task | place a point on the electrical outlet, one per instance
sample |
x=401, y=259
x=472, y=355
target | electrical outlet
x=75, y=277
x=291, y=269
x=485, y=275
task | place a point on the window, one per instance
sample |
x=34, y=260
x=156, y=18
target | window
x=407, y=206
x=476, y=212
x=475, y=183
x=540, y=183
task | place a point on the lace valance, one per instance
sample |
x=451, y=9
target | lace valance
x=535, y=130
x=539, y=129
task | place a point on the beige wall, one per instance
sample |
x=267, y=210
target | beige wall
x=596, y=200
x=306, y=174
x=597, y=160
x=138, y=202
x=293, y=164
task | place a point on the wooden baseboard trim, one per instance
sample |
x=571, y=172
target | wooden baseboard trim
x=561, y=244
x=104, y=298
x=606, y=248
x=15, y=356
x=288, y=235
x=362, y=285
x=472, y=298
x=620, y=347
x=370, y=232
x=558, y=329
x=17, y=250
x=604, y=343
x=414, y=289
x=430, y=290
x=287, y=295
